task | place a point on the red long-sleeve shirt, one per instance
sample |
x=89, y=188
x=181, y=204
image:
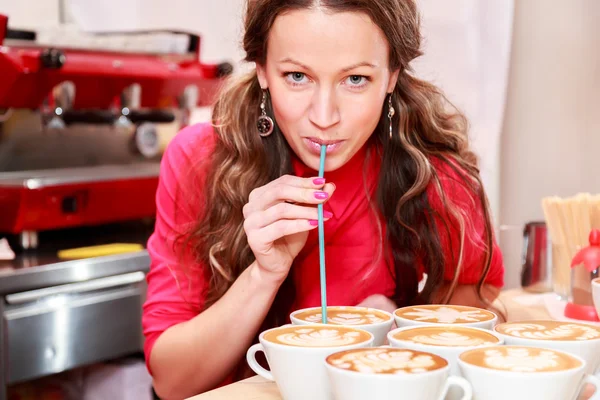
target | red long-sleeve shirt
x=352, y=238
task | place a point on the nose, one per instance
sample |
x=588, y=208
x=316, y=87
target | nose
x=324, y=112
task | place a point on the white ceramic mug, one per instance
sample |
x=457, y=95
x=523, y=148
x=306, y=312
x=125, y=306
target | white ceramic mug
x=580, y=339
x=376, y=321
x=296, y=356
x=445, y=314
x=596, y=294
x=518, y=373
x=385, y=373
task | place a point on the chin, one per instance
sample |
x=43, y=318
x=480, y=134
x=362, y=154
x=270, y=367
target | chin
x=332, y=163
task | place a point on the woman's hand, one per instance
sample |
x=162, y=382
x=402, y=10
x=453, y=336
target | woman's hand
x=278, y=217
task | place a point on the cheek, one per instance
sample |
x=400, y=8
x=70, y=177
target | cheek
x=288, y=107
x=364, y=114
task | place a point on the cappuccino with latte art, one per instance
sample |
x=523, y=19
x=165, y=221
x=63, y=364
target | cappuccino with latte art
x=385, y=360
x=524, y=373
x=445, y=314
x=343, y=316
x=549, y=330
x=316, y=336
x=521, y=359
x=576, y=338
x=297, y=352
x=375, y=321
x=455, y=336
x=385, y=373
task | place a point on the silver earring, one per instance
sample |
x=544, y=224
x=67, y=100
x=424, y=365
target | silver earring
x=264, y=124
x=391, y=113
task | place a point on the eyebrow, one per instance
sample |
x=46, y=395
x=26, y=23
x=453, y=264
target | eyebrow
x=346, y=69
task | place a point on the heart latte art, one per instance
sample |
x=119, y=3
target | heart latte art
x=445, y=314
x=549, y=330
x=343, y=316
x=305, y=336
x=520, y=359
x=386, y=361
x=450, y=336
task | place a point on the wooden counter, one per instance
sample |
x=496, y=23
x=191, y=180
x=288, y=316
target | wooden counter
x=519, y=305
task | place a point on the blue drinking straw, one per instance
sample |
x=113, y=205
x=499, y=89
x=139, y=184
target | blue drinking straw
x=322, y=241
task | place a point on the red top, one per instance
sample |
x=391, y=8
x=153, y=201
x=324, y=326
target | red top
x=354, y=270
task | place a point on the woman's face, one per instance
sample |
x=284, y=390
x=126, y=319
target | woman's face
x=328, y=77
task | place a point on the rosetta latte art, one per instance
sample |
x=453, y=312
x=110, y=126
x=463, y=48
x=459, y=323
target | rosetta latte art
x=446, y=315
x=451, y=339
x=522, y=360
x=347, y=318
x=384, y=361
x=544, y=332
x=310, y=337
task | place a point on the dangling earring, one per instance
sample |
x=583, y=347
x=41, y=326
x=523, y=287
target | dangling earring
x=391, y=113
x=264, y=124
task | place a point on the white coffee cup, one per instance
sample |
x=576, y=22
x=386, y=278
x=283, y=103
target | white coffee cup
x=385, y=373
x=296, y=356
x=446, y=314
x=580, y=339
x=446, y=341
x=596, y=294
x=525, y=373
x=376, y=321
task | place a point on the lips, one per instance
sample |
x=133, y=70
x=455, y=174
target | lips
x=314, y=145
x=324, y=142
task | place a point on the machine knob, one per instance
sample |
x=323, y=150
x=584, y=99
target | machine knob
x=53, y=58
x=224, y=69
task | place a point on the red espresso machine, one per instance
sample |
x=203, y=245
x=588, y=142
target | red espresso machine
x=75, y=92
x=82, y=130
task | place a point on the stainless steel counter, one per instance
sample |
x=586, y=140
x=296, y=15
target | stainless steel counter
x=58, y=315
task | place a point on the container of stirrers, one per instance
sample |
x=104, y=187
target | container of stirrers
x=569, y=222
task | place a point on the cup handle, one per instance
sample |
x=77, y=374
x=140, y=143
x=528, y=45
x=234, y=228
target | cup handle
x=591, y=379
x=256, y=367
x=462, y=383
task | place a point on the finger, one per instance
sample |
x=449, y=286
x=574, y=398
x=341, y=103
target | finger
x=291, y=194
x=284, y=211
x=282, y=228
x=291, y=180
x=294, y=181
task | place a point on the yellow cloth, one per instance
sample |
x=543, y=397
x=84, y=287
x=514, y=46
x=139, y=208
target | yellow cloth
x=99, y=251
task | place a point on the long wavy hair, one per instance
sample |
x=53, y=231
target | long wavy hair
x=425, y=127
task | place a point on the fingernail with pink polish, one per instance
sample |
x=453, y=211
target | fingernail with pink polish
x=327, y=214
x=321, y=195
x=319, y=181
x=313, y=222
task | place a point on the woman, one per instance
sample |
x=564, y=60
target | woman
x=235, y=248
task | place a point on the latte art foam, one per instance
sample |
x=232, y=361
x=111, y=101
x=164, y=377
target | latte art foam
x=344, y=316
x=549, y=330
x=304, y=336
x=451, y=336
x=386, y=361
x=520, y=359
x=445, y=314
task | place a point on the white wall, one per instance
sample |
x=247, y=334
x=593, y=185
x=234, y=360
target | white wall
x=551, y=137
x=467, y=48
x=30, y=14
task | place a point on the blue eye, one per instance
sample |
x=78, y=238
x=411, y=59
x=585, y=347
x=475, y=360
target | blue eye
x=297, y=76
x=356, y=80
